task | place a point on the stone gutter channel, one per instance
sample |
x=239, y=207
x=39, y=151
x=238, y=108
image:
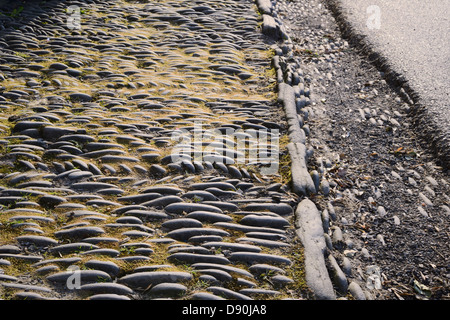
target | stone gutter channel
x=102, y=159
x=308, y=222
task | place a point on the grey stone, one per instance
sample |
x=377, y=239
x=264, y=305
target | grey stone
x=252, y=258
x=52, y=133
x=147, y=215
x=199, y=195
x=165, y=190
x=206, y=216
x=24, y=125
x=72, y=247
x=140, y=198
x=259, y=292
x=219, y=275
x=264, y=6
x=25, y=287
x=179, y=208
x=137, y=234
x=132, y=259
x=29, y=296
x=130, y=220
x=264, y=242
x=79, y=233
x=239, y=227
x=28, y=258
x=338, y=238
x=8, y=248
x=220, y=185
x=186, y=233
x=339, y=277
x=62, y=261
x=310, y=232
x=270, y=27
x=58, y=66
x=191, y=258
x=108, y=296
x=265, y=221
x=224, y=206
x=356, y=291
x=263, y=268
x=142, y=280
x=47, y=269
x=106, y=266
x=162, y=201
x=203, y=238
x=85, y=276
x=168, y=290
x=280, y=281
x=92, y=186
x=5, y=277
x=157, y=170
x=105, y=288
x=205, y=296
x=282, y=209
x=266, y=236
x=301, y=179
x=182, y=223
x=38, y=241
x=82, y=97
x=231, y=246
x=229, y=294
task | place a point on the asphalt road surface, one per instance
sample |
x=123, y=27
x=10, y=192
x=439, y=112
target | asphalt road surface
x=414, y=36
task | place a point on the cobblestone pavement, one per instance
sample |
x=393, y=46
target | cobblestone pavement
x=108, y=190
x=182, y=150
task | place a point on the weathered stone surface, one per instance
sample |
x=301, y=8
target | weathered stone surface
x=175, y=290
x=231, y=246
x=232, y=295
x=107, y=266
x=72, y=247
x=310, y=232
x=37, y=241
x=142, y=280
x=265, y=221
x=85, y=276
x=206, y=216
x=162, y=201
x=108, y=296
x=79, y=233
x=147, y=215
x=251, y=258
x=205, y=296
x=191, y=258
x=179, y=208
x=186, y=233
x=105, y=288
x=182, y=223
x=279, y=208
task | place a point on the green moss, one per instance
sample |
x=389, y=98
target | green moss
x=296, y=271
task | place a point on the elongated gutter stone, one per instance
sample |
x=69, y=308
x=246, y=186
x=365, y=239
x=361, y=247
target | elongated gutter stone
x=264, y=6
x=302, y=183
x=309, y=229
